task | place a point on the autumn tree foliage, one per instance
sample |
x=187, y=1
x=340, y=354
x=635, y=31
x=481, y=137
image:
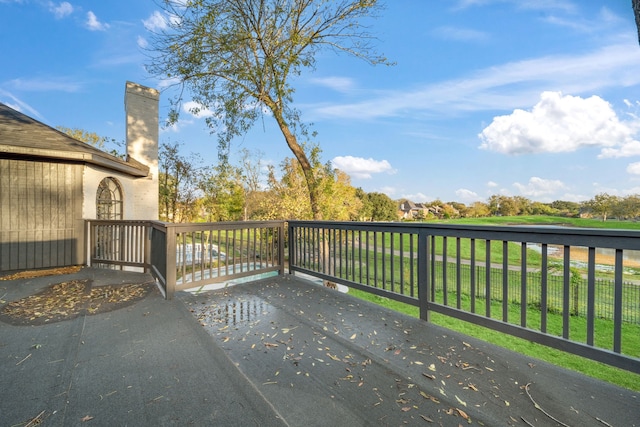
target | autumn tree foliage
x=237, y=59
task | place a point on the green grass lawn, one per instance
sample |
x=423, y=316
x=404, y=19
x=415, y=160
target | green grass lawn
x=589, y=367
x=546, y=220
x=631, y=333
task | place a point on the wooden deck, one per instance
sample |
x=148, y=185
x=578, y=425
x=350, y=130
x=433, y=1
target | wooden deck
x=321, y=357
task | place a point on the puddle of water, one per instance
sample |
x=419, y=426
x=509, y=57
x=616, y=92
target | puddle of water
x=235, y=312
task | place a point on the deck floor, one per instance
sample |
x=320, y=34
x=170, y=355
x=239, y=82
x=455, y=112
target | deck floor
x=322, y=357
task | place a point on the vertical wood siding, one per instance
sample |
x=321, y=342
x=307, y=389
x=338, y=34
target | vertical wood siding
x=40, y=215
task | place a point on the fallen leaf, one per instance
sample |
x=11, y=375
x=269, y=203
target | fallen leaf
x=86, y=418
x=462, y=414
x=429, y=397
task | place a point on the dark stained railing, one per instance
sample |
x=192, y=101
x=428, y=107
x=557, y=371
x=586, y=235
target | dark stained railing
x=503, y=278
x=549, y=285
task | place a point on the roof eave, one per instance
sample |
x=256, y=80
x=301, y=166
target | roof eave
x=134, y=168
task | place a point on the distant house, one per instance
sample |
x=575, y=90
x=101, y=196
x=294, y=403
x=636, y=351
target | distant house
x=50, y=183
x=410, y=210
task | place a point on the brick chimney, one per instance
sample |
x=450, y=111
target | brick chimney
x=141, y=107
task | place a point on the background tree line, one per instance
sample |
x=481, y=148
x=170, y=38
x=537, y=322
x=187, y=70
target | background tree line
x=254, y=190
x=602, y=206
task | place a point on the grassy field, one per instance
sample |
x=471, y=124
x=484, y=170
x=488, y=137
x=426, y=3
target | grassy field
x=597, y=370
x=631, y=339
x=546, y=220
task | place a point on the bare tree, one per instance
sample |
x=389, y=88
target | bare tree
x=237, y=59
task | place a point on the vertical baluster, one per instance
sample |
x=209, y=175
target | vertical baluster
x=458, y=274
x=566, y=292
x=445, y=262
x=591, y=295
x=617, y=304
x=487, y=274
x=401, y=263
x=360, y=255
x=544, y=290
x=523, y=285
x=411, y=264
x=392, y=264
x=505, y=281
x=472, y=272
x=375, y=258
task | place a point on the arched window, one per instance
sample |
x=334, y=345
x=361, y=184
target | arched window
x=109, y=200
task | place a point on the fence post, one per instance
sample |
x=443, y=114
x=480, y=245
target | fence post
x=171, y=261
x=423, y=274
x=292, y=249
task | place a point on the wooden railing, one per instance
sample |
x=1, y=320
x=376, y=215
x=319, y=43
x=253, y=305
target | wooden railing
x=531, y=282
x=549, y=285
x=186, y=256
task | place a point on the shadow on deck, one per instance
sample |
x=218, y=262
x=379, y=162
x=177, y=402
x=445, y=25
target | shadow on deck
x=321, y=357
x=279, y=351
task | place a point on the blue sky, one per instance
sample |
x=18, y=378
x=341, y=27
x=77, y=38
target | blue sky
x=532, y=98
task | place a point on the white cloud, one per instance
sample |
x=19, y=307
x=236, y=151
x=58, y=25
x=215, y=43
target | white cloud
x=196, y=110
x=339, y=84
x=539, y=187
x=627, y=149
x=492, y=184
x=359, y=167
x=417, y=197
x=45, y=84
x=634, y=168
x=17, y=104
x=466, y=196
x=61, y=10
x=388, y=190
x=558, y=123
x=155, y=22
x=142, y=42
x=503, y=87
x=93, y=24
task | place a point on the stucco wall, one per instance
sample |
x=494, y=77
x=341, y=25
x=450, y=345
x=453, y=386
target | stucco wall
x=133, y=207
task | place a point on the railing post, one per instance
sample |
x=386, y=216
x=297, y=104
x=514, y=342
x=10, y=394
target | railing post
x=423, y=274
x=147, y=246
x=171, y=261
x=88, y=241
x=281, y=257
x=291, y=246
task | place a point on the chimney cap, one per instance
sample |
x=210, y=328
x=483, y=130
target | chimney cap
x=141, y=90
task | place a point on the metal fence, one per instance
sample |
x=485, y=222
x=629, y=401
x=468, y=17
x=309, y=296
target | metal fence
x=578, y=291
x=536, y=294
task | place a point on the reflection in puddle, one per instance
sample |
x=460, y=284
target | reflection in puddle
x=236, y=312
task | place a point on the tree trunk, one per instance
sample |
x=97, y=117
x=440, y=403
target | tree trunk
x=307, y=169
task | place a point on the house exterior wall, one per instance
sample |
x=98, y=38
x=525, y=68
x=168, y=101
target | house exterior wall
x=92, y=176
x=40, y=214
